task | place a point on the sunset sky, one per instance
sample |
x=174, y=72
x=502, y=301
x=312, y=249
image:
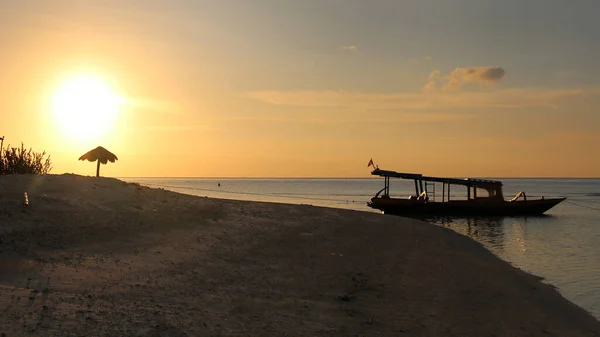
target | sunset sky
x=312, y=88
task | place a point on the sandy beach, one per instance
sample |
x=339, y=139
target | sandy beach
x=101, y=257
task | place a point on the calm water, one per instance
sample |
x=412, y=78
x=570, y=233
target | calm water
x=563, y=247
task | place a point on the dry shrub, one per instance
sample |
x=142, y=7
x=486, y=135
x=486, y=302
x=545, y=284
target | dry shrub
x=14, y=160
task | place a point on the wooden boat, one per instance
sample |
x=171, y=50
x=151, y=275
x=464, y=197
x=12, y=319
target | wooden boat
x=483, y=198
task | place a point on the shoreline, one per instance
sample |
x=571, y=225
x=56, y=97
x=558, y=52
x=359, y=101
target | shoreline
x=102, y=256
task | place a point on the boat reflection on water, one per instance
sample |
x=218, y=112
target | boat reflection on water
x=504, y=236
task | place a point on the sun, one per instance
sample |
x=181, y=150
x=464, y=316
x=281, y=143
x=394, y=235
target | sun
x=85, y=107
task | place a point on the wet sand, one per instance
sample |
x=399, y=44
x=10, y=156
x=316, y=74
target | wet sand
x=101, y=257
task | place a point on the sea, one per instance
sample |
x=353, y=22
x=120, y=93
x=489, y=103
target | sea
x=563, y=246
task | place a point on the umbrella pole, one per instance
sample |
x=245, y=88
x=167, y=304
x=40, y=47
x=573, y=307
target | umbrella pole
x=98, y=168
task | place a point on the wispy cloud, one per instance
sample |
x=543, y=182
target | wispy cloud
x=462, y=76
x=420, y=117
x=418, y=61
x=351, y=48
x=403, y=117
x=153, y=105
x=174, y=128
x=422, y=101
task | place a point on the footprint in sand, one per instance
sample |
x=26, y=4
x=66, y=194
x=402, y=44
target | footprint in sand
x=32, y=297
x=45, y=294
x=44, y=318
x=84, y=315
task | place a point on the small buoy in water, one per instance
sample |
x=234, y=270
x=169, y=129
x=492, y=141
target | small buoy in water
x=219, y=184
x=26, y=201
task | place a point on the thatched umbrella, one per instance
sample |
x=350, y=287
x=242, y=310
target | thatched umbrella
x=101, y=155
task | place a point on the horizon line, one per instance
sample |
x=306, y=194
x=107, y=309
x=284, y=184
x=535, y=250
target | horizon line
x=368, y=177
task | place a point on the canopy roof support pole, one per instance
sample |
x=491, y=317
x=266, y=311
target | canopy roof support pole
x=443, y=191
x=387, y=186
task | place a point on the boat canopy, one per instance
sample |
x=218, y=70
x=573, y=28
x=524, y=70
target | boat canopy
x=470, y=182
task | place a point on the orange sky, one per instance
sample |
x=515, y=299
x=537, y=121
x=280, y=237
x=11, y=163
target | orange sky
x=312, y=89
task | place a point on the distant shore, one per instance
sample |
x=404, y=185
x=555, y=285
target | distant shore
x=98, y=256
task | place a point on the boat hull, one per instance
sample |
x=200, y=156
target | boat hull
x=463, y=208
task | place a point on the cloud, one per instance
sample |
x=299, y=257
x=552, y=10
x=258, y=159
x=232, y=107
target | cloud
x=431, y=86
x=462, y=76
x=183, y=127
x=173, y=128
x=482, y=75
x=435, y=75
x=351, y=48
x=418, y=61
x=153, y=105
x=353, y=119
x=433, y=101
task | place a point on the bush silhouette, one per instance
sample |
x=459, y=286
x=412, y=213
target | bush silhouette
x=15, y=160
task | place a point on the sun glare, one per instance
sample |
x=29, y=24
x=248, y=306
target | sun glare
x=85, y=107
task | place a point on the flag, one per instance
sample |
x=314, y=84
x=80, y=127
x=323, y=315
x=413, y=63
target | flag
x=371, y=163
